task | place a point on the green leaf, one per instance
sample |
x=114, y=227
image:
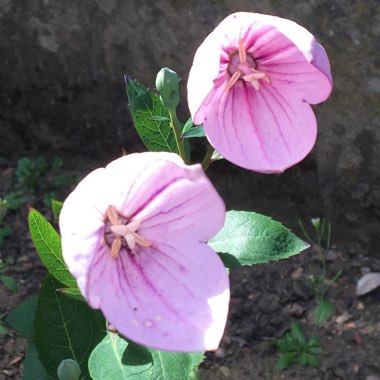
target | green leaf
x=73, y=293
x=111, y=359
x=3, y=329
x=313, y=341
x=174, y=365
x=315, y=350
x=33, y=368
x=21, y=318
x=56, y=207
x=313, y=360
x=5, y=232
x=187, y=126
x=10, y=283
x=48, y=245
x=324, y=311
x=160, y=118
x=65, y=328
x=249, y=238
x=297, y=333
x=302, y=359
x=285, y=361
x=194, y=132
x=146, y=107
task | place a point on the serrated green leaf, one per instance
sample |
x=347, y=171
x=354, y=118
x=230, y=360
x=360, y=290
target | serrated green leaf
x=48, y=245
x=65, y=328
x=174, y=365
x=285, y=361
x=73, y=293
x=33, y=368
x=56, y=207
x=324, y=311
x=10, y=283
x=111, y=359
x=146, y=107
x=297, y=333
x=21, y=318
x=249, y=238
x=194, y=132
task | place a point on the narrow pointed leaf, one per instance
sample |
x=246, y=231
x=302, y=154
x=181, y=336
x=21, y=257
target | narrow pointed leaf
x=194, y=132
x=10, y=283
x=249, y=238
x=297, y=333
x=324, y=311
x=111, y=359
x=56, y=207
x=48, y=245
x=151, y=118
x=65, y=328
x=188, y=125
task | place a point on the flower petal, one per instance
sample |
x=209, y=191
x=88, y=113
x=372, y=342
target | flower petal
x=81, y=224
x=171, y=298
x=284, y=50
x=291, y=57
x=266, y=131
x=127, y=183
x=177, y=198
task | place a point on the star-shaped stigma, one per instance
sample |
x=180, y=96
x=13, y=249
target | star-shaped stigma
x=124, y=233
x=243, y=66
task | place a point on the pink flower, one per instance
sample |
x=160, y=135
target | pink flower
x=134, y=235
x=251, y=84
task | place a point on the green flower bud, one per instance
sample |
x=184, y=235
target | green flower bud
x=69, y=370
x=315, y=222
x=167, y=84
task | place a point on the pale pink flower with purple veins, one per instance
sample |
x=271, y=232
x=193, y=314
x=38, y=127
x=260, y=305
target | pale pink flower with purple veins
x=134, y=235
x=251, y=85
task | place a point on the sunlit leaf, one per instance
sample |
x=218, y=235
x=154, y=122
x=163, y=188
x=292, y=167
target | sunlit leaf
x=249, y=238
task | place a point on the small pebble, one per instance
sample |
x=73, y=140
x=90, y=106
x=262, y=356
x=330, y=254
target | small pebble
x=343, y=318
x=360, y=306
x=297, y=273
x=225, y=371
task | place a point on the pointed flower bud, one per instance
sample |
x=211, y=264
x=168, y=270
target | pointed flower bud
x=69, y=370
x=167, y=84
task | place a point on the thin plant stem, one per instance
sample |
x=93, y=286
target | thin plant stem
x=207, y=158
x=305, y=232
x=176, y=125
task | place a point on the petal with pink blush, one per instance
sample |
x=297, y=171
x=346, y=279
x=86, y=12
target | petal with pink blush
x=134, y=235
x=261, y=119
x=269, y=141
x=171, y=298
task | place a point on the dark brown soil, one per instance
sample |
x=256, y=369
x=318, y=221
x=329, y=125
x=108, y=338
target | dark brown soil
x=265, y=300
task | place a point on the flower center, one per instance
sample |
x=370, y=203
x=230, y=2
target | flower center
x=243, y=66
x=121, y=233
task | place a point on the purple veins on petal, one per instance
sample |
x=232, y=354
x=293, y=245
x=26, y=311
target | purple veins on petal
x=144, y=260
x=259, y=64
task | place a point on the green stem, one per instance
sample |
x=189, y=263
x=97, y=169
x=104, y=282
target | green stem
x=207, y=158
x=176, y=125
